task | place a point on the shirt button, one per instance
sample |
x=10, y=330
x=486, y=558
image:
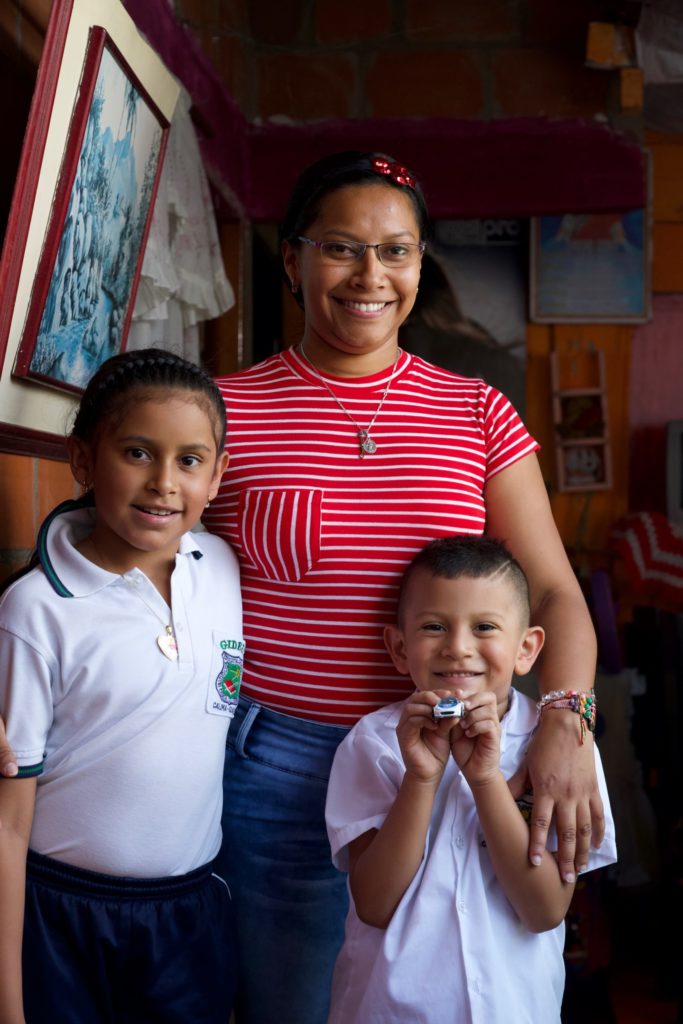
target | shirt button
x=461, y=906
x=460, y=842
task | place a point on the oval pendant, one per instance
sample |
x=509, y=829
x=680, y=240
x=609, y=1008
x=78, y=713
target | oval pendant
x=367, y=445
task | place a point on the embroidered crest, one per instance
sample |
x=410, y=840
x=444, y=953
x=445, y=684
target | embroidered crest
x=229, y=678
x=223, y=690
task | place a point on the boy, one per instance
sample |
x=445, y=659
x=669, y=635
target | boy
x=449, y=921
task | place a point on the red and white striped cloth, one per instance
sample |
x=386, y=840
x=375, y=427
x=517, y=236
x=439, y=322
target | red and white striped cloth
x=323, y=536
x=651, y=547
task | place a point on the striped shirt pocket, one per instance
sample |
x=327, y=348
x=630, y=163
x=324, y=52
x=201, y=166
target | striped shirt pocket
x=280, y=531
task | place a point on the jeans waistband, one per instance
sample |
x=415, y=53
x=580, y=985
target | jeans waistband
x=81, y=882
x=252, y=718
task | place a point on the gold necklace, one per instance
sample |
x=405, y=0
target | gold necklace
x=366, y=444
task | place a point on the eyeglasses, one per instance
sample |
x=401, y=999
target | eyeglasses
x=390, y=254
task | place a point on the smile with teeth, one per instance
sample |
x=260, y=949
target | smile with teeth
x=447, y=674
x=156, y=511
x=364, y=307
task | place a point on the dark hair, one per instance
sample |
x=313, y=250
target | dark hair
x=119, y=381
x=474, y=557
x=111, y=390
x=336, y=171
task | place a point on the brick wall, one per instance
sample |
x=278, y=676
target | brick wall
x=310, y=59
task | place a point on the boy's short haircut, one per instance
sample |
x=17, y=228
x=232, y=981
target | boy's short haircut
x=471, y=556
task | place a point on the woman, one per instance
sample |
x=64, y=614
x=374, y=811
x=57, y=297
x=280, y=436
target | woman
x=346, y=456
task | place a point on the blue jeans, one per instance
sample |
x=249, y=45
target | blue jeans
x=289, y=900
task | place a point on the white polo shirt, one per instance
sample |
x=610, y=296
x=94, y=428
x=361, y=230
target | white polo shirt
x=128, y=745
x=454, y=952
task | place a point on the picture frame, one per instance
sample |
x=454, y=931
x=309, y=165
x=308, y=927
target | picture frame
x=590, y=268
x=83, y=36
x=584, y=466
x=84, y=288
x=581, y=416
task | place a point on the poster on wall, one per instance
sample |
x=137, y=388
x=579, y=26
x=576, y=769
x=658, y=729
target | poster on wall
x=80, y=215
x=470, y=315
x=590, y=268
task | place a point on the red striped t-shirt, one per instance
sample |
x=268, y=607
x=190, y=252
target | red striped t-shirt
x=323, y=536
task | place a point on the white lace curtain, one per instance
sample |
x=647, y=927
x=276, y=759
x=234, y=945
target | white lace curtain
x=183, y=280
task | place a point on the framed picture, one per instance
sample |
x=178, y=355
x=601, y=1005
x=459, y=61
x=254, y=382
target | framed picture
x=591, y=268
x=75, y=238
x=584, y=467
x=581, y=416
x=85, y=285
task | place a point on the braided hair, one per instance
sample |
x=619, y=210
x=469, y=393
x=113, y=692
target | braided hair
x=122, y=380
x=127, y=377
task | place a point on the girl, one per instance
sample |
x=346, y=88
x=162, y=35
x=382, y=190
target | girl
x=122, y=643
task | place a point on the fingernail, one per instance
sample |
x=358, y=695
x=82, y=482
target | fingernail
x=535, y=860
x=569, y=877
x=10, y=769
x=581, y=868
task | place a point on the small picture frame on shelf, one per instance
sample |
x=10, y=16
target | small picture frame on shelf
x=581, y=416
x=583, y=467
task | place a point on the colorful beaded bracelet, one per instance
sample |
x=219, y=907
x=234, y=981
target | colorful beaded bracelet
x=584, y=704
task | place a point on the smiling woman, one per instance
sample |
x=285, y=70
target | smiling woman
x=348, y=455
x=357, y=275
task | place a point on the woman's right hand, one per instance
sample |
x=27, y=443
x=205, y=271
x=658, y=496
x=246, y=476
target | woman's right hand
x=8, y=764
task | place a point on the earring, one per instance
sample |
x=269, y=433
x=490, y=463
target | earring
x=295, y=287
x=208, y=503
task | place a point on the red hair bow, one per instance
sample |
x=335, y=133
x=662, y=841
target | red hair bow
x=398, y=172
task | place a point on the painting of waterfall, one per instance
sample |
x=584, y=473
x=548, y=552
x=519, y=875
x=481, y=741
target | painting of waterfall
x=86, y=282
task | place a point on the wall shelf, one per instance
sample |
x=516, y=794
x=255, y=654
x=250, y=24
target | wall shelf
x=582, y=445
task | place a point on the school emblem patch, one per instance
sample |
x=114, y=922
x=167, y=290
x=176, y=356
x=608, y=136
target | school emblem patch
x=223, y=689
x=229, y=678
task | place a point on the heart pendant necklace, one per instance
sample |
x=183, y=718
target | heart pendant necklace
x=366, y=444
x=166, y=643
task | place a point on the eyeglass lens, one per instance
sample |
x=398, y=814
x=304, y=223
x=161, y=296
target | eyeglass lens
x=389, y=253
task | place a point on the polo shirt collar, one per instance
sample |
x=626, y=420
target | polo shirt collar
x=69, y=573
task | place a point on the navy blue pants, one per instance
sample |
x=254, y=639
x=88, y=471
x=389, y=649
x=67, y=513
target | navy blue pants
x=99, y=949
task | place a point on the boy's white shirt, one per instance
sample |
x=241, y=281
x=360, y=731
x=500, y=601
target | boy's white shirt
x=133, y=744
x=455, y=951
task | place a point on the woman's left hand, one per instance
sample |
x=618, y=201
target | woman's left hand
x=561, y=770
x=564, y=783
